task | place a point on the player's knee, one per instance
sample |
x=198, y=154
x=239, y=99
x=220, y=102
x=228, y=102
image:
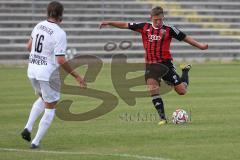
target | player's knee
x=152, y=85
x=182, y=93
x=181, y=89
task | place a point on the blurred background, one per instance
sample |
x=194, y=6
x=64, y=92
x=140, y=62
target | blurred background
x=215, y=22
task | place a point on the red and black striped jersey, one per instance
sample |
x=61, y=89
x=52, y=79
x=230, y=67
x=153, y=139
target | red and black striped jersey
x=156, y=41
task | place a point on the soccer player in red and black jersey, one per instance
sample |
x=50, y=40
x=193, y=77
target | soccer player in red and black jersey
x=156, y=37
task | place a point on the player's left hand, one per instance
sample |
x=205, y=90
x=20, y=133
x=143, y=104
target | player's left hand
x=204, y=46
x=81, y=82
x=103, y=24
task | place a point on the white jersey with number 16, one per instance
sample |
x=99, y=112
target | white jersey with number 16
x=48, y=41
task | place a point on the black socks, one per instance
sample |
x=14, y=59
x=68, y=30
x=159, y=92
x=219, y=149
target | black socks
x=158, y=103
x=184, y=77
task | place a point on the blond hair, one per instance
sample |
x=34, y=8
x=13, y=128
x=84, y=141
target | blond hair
x=157, y=11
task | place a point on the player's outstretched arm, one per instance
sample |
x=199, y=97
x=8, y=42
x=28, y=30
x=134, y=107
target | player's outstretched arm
x=64, y=64
x=121, y=25
x=195, y=43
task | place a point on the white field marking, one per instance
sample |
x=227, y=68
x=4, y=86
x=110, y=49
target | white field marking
x=84, y=153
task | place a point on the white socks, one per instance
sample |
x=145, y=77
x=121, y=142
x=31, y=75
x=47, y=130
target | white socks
x=37, y=109
x=44, y=125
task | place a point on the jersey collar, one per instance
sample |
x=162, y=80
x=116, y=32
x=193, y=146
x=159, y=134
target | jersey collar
x=155, y=27
x=51, y=21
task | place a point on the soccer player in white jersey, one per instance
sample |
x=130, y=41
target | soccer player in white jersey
x=47, y=47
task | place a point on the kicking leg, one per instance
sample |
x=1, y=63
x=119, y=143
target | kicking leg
x=181, y=89
x=185, y=70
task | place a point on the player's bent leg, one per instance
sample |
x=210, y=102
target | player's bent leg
x=185, y=69
x=181, y=89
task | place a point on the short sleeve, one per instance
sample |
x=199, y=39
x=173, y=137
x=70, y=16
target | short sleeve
x=176, y=33
x=33, y=31
x=138, y=27
x=61, y=45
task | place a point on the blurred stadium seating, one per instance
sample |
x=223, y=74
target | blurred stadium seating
x=215, y=22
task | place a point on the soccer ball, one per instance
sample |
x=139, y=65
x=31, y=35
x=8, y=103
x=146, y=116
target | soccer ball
x=179, y=116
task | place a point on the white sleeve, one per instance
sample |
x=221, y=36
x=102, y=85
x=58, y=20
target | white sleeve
x=33, y=31
x=61, y=45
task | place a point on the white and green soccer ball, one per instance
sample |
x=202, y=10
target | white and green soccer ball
x=179, y=116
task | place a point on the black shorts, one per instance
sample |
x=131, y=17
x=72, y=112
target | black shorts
x=164, y=70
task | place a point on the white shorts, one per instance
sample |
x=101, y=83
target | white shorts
x=43, y=89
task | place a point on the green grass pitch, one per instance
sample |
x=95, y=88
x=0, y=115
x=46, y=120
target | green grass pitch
x=213, y=133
